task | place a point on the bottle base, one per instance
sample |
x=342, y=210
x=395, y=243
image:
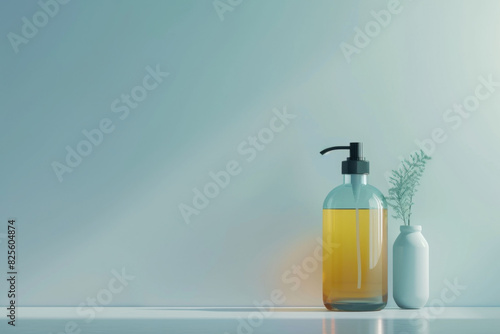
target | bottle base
x=358, y=305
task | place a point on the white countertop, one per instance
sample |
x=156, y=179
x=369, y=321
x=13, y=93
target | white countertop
x=283, y=320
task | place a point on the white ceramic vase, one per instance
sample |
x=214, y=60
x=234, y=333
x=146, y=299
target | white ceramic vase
x=411, y=268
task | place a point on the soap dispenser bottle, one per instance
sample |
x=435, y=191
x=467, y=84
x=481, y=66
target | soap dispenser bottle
x=354, y=239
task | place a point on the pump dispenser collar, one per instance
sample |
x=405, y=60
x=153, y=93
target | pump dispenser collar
x=355, y=163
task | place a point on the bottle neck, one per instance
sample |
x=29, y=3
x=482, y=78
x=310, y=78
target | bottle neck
x=410, y=228
x=356, y=178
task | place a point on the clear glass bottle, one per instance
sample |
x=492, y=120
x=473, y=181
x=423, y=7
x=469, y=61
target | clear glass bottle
x=354, y=240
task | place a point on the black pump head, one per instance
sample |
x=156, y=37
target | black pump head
x=355, y=163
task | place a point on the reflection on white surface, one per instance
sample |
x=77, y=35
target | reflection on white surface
x=282, y=321
x=368, y=326
x=379, y=329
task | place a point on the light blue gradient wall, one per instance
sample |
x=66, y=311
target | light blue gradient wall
x=120, y=207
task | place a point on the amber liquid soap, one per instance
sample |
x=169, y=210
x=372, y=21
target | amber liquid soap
x=355, y=259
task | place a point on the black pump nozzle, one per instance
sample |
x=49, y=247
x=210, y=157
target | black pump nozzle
x=356, y=150
x=355, y=163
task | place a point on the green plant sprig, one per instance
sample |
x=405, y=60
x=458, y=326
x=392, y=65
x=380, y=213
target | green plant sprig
x=404, y=182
